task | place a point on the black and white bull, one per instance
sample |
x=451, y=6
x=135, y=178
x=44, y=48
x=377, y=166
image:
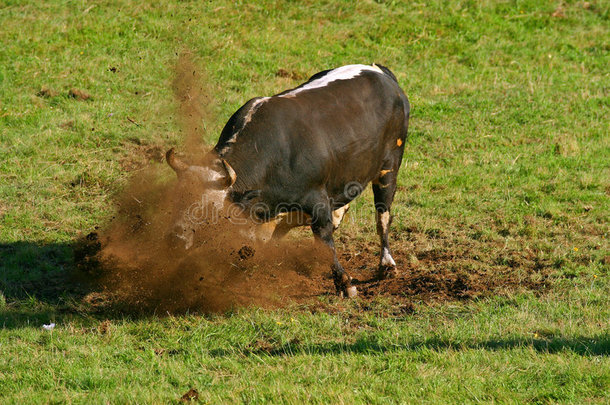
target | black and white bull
x=311, y=150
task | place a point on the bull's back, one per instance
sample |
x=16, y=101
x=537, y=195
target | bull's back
x=324, y=137
x=344, y=133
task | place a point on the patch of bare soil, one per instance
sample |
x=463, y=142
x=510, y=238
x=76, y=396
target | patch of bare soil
x=442, y=274
x=190, y=395
x=141, y=270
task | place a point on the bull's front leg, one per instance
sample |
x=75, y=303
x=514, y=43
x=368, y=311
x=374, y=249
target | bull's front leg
x=322, y=228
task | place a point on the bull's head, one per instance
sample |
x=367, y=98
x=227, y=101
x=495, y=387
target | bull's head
x=203, y=193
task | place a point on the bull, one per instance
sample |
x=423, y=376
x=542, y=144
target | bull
x=311, y=150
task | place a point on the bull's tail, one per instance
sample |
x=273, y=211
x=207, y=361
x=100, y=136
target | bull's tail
x=386, y=71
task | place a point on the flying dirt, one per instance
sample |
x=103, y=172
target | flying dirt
x=135, y=261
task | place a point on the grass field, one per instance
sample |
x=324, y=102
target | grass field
x=506, y=173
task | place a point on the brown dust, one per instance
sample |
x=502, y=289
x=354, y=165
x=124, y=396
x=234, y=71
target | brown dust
x=136, y=260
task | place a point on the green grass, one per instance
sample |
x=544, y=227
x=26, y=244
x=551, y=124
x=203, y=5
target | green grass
x=507, y=164
x=518, y=350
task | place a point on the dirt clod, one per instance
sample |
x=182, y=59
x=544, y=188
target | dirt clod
x=104, y=327
x=559, y=12
x=290, y=74
x=245, y=252
x=190, y=395
x=79, y=95
x=47, y=92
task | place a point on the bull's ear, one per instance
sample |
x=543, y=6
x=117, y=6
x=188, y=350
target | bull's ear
x=231, y=176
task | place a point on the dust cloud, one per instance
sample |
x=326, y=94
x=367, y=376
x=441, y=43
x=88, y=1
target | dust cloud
x=136, y=260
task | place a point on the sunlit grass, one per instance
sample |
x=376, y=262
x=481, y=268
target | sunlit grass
x=507, y=161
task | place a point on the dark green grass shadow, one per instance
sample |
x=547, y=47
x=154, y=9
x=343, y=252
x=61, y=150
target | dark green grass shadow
x=582, y=345
x=39, y=283
x=37, y=270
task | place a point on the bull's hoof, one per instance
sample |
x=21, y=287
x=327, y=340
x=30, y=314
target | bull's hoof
x=385, y=272
x=352, y=292
x=348, y=292
x=343, y=284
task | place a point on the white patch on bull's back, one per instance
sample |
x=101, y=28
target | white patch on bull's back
x=342, y=73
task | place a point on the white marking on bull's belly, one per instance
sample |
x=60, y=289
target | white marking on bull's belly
x=338, y=214
x=342, y=73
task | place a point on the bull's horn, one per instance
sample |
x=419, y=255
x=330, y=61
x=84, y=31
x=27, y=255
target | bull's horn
x=230, y=172
x=175, y=163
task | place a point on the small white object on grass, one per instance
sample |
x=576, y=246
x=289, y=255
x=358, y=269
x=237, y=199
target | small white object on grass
x=50, y=326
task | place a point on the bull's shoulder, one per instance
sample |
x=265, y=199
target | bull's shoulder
x=237, y=122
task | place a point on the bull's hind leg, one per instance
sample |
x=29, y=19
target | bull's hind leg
x=383, y=190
